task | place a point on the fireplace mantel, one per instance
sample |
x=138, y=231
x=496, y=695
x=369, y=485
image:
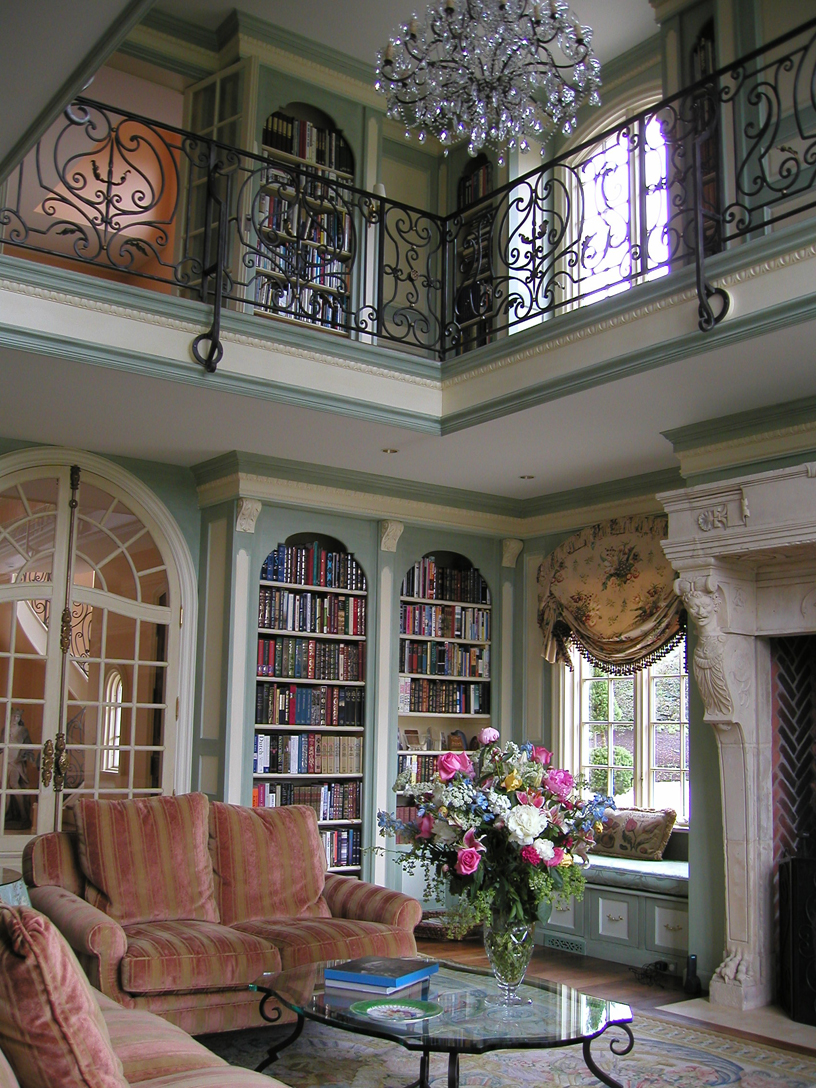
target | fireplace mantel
x=745, y=554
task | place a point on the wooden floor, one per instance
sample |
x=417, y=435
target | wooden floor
x=611, y=981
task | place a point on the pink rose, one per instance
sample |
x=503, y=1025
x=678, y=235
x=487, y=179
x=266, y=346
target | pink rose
x=529, y=853
x=559, y=782
x=557, y=858
x=467, y=861
x=541, y=755
x=450, y=762
x=425, y=829
x=488, y=735
x=471, y=842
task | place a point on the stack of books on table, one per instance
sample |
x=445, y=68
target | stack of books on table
x=378, y=975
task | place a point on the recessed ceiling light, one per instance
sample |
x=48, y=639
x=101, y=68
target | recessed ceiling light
x=526, y=477
x=389, y=449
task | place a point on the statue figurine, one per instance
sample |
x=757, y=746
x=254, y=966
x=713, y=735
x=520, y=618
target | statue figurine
x=18, y=806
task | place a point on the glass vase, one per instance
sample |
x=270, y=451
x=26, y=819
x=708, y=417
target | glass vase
x=509, y=946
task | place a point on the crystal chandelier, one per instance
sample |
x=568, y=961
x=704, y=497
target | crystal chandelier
x=493, y=72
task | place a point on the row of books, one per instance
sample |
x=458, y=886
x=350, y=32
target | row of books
x=286, y=214
x=312, y=565
x=293, y=268
x=440, y=697
x=322, y=146
x=300, y=303
x=444, y=659
x=288, y=704
x=445, y=621
x=330, y=801
x=422, y=768
x=307, y=753
x=310, y=659
x=313, y=613
x=476, y=186
x=342, y=846
x=426, y=579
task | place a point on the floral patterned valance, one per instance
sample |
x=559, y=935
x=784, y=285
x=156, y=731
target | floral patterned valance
x=609, y=591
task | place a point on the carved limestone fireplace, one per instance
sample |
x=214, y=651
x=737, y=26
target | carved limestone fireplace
x=745, y=554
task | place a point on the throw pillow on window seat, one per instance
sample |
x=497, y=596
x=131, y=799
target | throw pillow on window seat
x=635, y=833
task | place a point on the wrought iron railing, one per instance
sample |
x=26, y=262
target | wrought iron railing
x=707, y=169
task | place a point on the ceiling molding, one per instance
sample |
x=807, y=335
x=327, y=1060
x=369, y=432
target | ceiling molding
x=276, y=480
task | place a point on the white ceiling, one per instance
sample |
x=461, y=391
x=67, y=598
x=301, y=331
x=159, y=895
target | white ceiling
x=46, y=46
x=606, y=433
x=361, y=27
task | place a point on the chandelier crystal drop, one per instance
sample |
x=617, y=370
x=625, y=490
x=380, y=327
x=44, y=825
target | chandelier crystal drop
x=493, y=72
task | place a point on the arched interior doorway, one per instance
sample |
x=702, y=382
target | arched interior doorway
x=92, y=650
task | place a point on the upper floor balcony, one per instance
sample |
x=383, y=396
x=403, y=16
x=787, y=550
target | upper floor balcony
x=675, y=199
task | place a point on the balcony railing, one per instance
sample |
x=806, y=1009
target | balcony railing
x=712, y=167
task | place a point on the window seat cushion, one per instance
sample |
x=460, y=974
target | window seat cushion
x=635, y=874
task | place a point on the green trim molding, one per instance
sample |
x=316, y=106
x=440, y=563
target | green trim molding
x=90, y=65
x=231, y=465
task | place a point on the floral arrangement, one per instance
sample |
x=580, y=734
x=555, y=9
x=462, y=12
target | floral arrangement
x=499, y=827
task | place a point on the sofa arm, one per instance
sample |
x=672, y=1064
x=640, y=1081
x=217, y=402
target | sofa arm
x=348, y=897
x=98, y=941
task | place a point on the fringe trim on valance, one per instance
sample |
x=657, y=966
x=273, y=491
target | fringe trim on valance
x=567, y=640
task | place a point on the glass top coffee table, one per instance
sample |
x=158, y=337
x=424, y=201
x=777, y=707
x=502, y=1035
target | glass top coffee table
x=454, y=1016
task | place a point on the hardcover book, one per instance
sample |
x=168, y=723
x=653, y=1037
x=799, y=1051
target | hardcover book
x=379, y=971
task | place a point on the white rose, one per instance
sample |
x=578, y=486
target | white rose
x=524, y=823
x=443, y=832
x=545, y=849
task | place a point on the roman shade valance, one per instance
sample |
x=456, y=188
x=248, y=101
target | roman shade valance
x=609, y=591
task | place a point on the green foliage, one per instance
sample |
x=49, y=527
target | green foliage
x=621, y=779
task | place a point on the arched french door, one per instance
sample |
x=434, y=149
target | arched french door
x=90, y=635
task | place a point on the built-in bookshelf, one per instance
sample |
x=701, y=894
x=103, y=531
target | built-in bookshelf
x=473, y=265
x=444, y=663
x=310, y=690
x=305, y=230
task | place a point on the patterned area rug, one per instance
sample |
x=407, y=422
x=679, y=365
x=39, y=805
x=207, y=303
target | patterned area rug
x=665, y=1056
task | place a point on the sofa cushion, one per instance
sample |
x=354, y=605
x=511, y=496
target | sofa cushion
x=185, y=957
x=222, y=1076
x=635, y=832
x=149, y=1047
x=310, y=940
x=268, y=863
x=146, y=859
x=51, y=1028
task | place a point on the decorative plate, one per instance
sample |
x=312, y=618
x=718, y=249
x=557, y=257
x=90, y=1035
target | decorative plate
x=394, y=1011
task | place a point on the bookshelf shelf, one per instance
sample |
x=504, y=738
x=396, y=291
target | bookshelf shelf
x=437, y=676
x=437, y=714
x=306, y=724
x=306, y=239
x=307, y=587
x=287, y=633
x=441, y=673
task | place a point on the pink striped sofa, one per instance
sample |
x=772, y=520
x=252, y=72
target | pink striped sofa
x=173, y=905
x=58, y=1032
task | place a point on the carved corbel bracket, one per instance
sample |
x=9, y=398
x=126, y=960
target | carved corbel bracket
x=246, y=515
x=511, y=549
x=390, y=532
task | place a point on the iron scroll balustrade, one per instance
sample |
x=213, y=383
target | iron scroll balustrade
x=707, y=169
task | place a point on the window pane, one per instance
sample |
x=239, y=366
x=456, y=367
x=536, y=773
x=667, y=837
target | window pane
x=666, y=696
x=27, y=529
x=668, y=791
x=624, y=699
x=597, y=694
x=667, y=744
x=203, y=114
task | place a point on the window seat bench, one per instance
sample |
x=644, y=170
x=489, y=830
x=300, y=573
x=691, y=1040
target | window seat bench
x=633, y=912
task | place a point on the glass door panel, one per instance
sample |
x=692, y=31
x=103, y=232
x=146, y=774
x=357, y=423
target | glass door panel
x=23, y=642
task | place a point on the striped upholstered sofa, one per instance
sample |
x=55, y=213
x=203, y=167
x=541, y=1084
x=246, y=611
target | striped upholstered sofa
x=174, y=905
x=58, y=1032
